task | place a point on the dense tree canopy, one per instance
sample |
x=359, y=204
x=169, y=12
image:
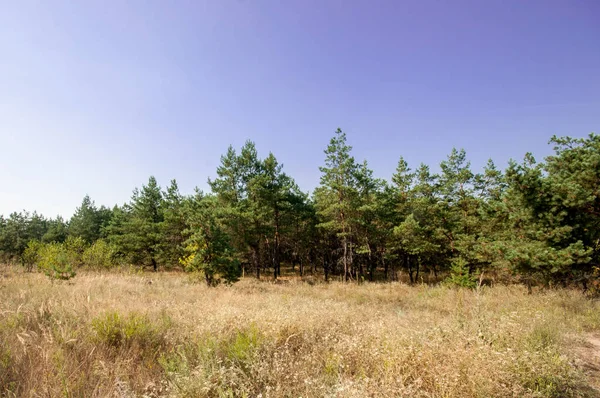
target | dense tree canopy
x=538, y=222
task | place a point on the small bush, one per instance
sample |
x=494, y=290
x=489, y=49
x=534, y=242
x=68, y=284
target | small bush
x=100, y=255
x=31, y=255
x=56, y=261
x=75, y=248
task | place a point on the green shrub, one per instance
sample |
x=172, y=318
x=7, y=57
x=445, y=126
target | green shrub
x=31, y=255
x=99, y=255
x=75, y=246
x=56, y=261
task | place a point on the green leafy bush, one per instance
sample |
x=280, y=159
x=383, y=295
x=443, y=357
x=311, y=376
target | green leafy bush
x=56, y=261
x=31, y=254
x=99, y=255
x=75, y=248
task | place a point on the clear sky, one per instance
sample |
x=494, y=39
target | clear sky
x=96, y=96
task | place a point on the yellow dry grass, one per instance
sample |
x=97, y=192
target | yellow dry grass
x=161, y=335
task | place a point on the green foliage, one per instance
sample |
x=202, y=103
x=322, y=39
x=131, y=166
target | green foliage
x=87, y=221
x=208, y=249
x=75, y=247
x=31, y=255
x=336, y=198
x=539, y=221
x=554, y=212
x=460, y=275
x=99, y=255
x=57, y=231
x=135, y=229
x=57, y=261
x=17, y=231
x=256, y=207
x=172, y=227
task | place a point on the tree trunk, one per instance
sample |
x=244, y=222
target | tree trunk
x=345, y=259
x=385, y=267
x=352, y=268
x=276, y=257
x=256, y=260
x=418, y=269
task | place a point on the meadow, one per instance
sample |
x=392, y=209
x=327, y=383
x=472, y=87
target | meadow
x=167, y=335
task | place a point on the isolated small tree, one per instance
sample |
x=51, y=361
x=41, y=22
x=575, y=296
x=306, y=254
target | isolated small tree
x=56, y=261
x=460, y=275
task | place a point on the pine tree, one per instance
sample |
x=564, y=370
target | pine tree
x=422, y=237
x=369, y=234
x=459, y=210
x=86, y=222
x=276, y=190
x=554, y=214
x=136, y=231
x=208, y=249
x=396, y=207
x=336, y=197
x=239, y=198
x=57, y=231
x=172, y=226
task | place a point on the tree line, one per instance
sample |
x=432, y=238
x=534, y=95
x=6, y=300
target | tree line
x=536, y=221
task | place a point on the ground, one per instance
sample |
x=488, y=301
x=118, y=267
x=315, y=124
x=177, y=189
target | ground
x=123, y=334
x=588, y=355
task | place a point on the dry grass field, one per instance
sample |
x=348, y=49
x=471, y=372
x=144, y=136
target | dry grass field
x=160, y=335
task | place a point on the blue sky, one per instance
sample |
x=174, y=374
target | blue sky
x=96, y=96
